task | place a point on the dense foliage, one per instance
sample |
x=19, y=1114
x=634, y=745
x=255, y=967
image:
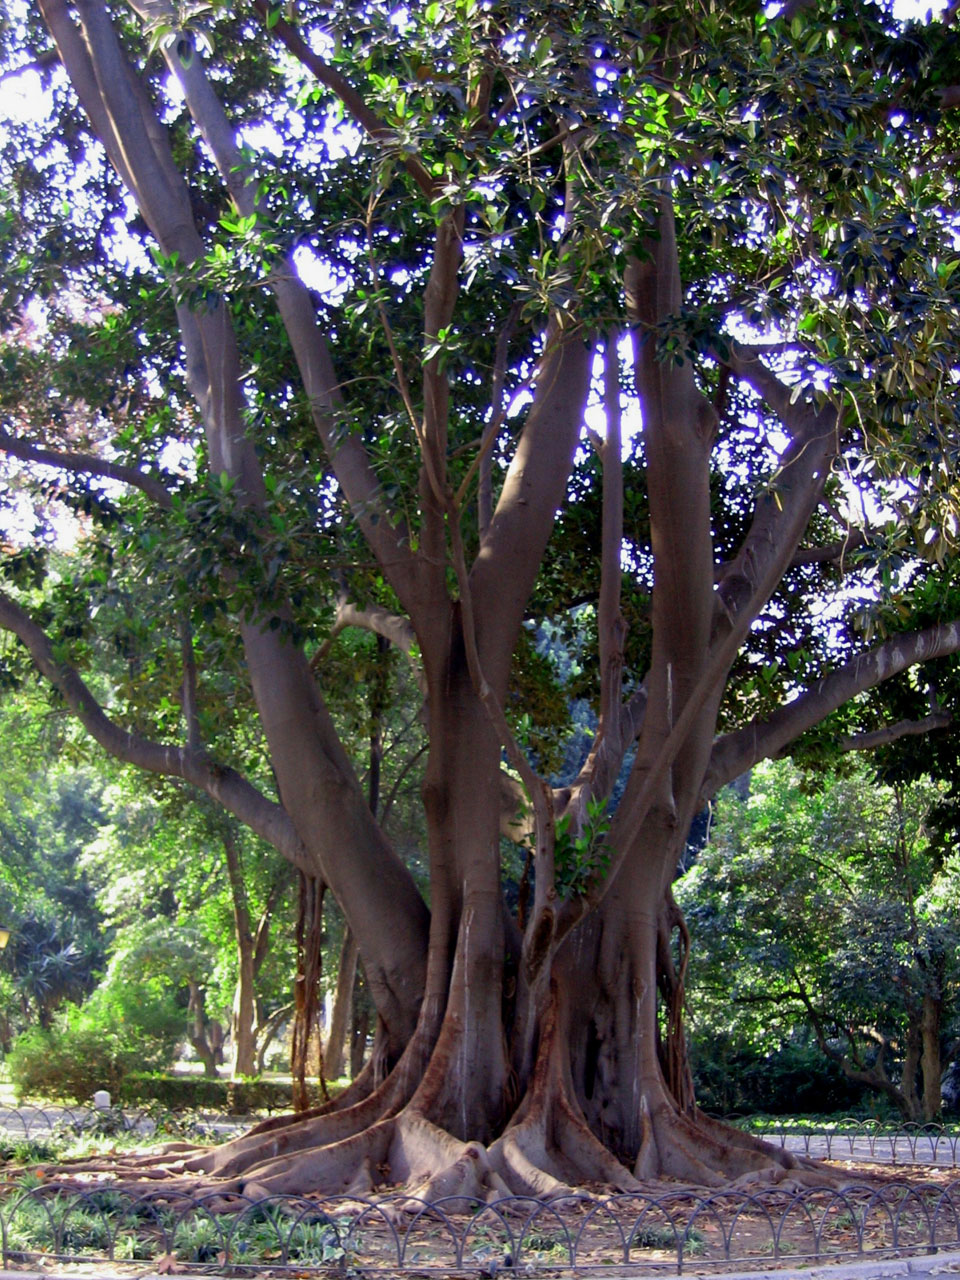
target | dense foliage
x=832, y=907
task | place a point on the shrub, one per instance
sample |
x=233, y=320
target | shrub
x=181, y=1093
x=795, y=1079
x=67, y=1062
x=93, y=1046
x=143, y=1016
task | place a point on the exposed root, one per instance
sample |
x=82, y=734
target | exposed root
x=433, y=1165
x=239, y=1157
x=284, y=1137
x=524, y=1164
x=389, y=1140
x=547, y=1152
x=341, y=1167
x=357, y=1091
x=704, y=1152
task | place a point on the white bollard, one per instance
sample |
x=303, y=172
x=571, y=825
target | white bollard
x=101, y=1100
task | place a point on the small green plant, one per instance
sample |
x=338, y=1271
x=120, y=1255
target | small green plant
x=105, y=1122
x=29, y=1150
x=664, y=1237
x=580, y=859
x=313, y=1242
x=198, y=1240
x=655, y=1237
x=30, y=1228
x=84, y=1229
x=694, y=1243
x=844, y=1221
x=268, y=1231
x=546, y=1245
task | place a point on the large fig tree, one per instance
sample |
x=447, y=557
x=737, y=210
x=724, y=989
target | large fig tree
x=606, y=347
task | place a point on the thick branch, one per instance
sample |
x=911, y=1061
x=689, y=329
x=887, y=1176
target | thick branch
x=784, y=510
x=382, y=623
x=373, y=618
x=346, y=451
x=484, y=460
x=87, y=464
x=509, y=558
x=739, y=751
x=892, y=732
x=439, y=302
x=834, y=553
x=610, y=623
x=224, y=785
x=678, y=428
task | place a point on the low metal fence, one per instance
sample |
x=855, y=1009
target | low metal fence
x=675, y=1230
x=27, y=1121
x=866, y=1141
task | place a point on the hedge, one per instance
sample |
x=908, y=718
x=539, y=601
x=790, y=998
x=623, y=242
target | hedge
x=184, y=1093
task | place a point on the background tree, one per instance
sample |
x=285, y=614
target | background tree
x=49, y=811
x=176, y=867
x=286, y=369
x=829, y=906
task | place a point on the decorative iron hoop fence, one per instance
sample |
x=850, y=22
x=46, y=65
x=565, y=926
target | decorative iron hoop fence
x=871, y=1141
x=28, y=1121
x=674, y=1230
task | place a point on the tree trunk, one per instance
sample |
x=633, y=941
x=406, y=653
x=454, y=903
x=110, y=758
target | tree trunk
x=243, y=1015
x=359, y=1030
x=333, y=1054
x=216, y=1038
x=306, y=991
x=930, y=1065
x=242, y=1022
x=197, y=1032
x=910, y=1105
x=266, y=1032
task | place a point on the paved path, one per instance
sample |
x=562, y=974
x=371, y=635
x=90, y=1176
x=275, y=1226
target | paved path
x=942, y=1150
